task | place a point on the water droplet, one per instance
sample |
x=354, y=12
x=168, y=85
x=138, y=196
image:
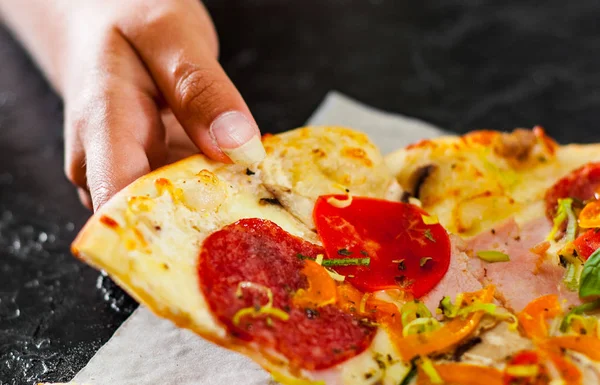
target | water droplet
x=8, y=306
x=43, y=237
x=16, y=245
x=70, y=226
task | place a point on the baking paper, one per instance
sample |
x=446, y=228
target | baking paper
x=147, y=350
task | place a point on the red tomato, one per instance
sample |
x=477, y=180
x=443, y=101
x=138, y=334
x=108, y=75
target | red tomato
x=526, y=358
x=404, y=252
x=587, y=243
x=581, y=184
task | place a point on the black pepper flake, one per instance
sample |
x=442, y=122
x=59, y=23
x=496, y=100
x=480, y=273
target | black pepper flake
x=517, y=238
x=344, y=252
x=249, y=172
x=368, y=375
x=157, y=228
x=493, y=231
x=401, y=265
x=562, y=261
x=400, y=280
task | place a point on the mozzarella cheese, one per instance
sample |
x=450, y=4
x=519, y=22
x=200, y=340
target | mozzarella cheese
x=308, y=162
x=477, y=180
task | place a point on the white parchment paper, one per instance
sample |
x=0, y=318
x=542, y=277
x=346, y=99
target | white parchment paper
x=147, y=350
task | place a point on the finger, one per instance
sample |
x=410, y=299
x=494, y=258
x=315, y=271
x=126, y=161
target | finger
x=118, y=123
x=85, y=198
x=175, y=48
x=178, y=142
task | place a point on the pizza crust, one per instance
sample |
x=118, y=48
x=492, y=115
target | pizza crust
x=148, y=237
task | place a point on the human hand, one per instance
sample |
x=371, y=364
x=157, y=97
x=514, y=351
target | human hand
x=142, y=87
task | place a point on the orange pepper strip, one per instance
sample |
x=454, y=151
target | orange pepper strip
x=568, y=371
x=533, y=318
x=590, y=215
x=321, y=290
x=587, y=345
x=463, y=374
x=447, y=336
x=385, y=313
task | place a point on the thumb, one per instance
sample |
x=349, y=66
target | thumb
x=202, y=97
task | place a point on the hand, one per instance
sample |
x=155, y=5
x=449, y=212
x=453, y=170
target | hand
x=141, y=84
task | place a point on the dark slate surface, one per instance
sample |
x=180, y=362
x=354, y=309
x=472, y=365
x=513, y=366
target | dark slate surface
x=459, y=64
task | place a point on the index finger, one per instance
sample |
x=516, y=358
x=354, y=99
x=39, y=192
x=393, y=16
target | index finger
x=178, y=49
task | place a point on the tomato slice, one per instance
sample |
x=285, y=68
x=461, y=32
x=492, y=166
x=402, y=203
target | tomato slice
x=582, y=183
x=587, y=243
x=404, y=252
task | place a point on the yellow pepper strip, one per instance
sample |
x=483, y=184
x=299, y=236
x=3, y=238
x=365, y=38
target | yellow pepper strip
x=463, y=374
x=446, y=337
x=533, y=318
x=590, y=215
x=321, y=290
x=587, y=345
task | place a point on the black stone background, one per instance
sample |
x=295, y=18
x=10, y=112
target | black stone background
x=461, y=64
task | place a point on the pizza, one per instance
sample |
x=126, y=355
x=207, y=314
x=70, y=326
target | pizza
x=459, y=260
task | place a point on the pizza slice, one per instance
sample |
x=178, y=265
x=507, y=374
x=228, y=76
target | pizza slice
x=319, y=267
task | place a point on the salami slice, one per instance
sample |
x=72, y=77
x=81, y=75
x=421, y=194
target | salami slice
x=582, y=183
x=249, y=272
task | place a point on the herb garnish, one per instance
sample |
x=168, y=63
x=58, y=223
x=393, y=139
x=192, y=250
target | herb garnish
x=249, y=172
x=344, y=252
x=428, y=235
x=339, y=262
x=424, y=260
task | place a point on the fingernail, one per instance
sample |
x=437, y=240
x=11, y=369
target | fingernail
x=238, y=138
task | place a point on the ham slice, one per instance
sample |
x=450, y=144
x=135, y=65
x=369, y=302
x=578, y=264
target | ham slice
x=458, y=278
x=527, y=275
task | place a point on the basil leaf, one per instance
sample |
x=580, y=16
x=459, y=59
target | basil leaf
x=589, y=284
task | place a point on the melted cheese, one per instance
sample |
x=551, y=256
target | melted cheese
x=482, y=178
x=308, y=162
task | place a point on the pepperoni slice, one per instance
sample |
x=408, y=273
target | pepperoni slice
x=240, y=265
x=403, y=251
x=582, y=183
x=587, y=243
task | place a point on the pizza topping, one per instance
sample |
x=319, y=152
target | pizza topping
x=429, y=370
x=525, y=368
x=493, y=256
x=533, y=318
x=587, y=243
x=464, y=374
x=581, y=184
x=575, y=314
x=448, y=335
x=590, y=277
x=321, y=289
x=253, y=311
x=564, y=213
x=590, y=215
x=388, y=232
x=288, y=306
